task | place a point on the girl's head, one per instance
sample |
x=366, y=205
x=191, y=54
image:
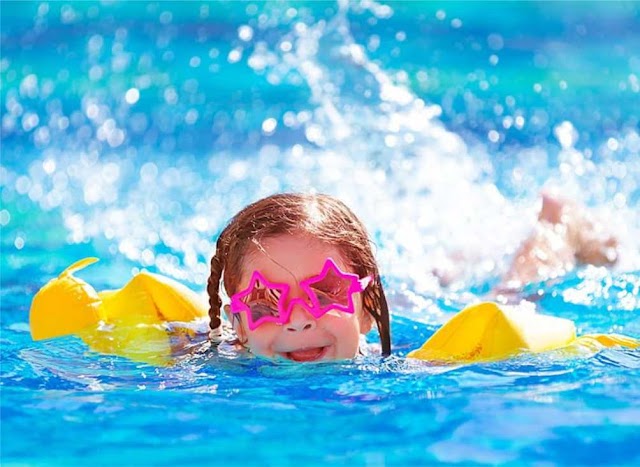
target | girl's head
x=288, y=239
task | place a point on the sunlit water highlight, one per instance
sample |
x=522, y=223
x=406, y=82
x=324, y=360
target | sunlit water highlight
x=134, y=131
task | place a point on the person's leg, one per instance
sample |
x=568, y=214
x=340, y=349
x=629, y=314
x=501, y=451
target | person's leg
x=565, y=235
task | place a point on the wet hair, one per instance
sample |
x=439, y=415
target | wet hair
x=322, y=217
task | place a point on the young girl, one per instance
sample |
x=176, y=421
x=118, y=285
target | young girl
x=302, y=282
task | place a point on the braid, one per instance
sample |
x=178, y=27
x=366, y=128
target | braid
x=213, y=289
x=375, y=303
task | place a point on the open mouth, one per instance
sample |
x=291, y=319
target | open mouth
x=310, y=354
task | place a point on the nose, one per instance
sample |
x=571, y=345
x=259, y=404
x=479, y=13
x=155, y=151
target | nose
x=300, y=320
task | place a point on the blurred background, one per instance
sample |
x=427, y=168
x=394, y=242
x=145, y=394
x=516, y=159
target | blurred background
x=135, y=130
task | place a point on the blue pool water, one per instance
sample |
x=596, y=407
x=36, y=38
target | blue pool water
x=132, y=131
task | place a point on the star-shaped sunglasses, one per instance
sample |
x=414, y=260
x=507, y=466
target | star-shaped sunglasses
x=264, y=301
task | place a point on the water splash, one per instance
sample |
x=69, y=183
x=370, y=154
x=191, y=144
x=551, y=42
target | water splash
x=435, y=204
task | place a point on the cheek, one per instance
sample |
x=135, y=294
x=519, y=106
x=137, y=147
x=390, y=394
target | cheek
x=365, y=320
x=260, y=341
x=359, y=324
x=346, y=335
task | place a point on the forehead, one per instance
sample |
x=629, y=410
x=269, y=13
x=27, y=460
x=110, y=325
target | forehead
x=289, y=258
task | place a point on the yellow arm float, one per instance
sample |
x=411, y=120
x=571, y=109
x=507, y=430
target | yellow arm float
x=488, y=332
x=130, y=322
x=153, y=299
x=598, y=341
x=65, y=305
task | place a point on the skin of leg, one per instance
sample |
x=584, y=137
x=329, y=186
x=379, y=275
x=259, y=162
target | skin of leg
x=565, y=235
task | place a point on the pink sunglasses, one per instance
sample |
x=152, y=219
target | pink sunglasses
x=264, y=301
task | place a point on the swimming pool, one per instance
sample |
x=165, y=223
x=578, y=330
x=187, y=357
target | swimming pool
x=133, y=131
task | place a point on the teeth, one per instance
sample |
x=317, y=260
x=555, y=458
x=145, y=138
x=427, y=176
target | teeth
x=306, y=354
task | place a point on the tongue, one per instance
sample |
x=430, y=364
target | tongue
x=306, y=355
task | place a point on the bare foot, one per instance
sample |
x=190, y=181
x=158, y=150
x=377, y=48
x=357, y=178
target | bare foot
x=565, y=235
x=552, y=209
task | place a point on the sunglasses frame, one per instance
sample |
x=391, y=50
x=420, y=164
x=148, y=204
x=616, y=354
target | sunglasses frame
x=356, y=285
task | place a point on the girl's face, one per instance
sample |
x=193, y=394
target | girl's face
x=289, y=259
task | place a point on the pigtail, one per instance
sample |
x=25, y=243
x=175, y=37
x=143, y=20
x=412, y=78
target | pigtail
x=215, y=303
x=375, y=303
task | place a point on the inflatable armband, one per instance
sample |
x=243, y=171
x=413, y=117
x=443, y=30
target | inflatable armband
x=487, y=332
x=599, y=341
x=131, y=322
x=65, y=305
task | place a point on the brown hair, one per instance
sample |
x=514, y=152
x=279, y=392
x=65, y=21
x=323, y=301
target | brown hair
x=321, y=216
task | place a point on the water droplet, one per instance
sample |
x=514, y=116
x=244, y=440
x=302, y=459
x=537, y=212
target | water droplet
x=566, y=134
x=245, y=33
x=269, y=126
x=235, y=55
x=5, y=217
x=30, y=120
x=132, y=96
